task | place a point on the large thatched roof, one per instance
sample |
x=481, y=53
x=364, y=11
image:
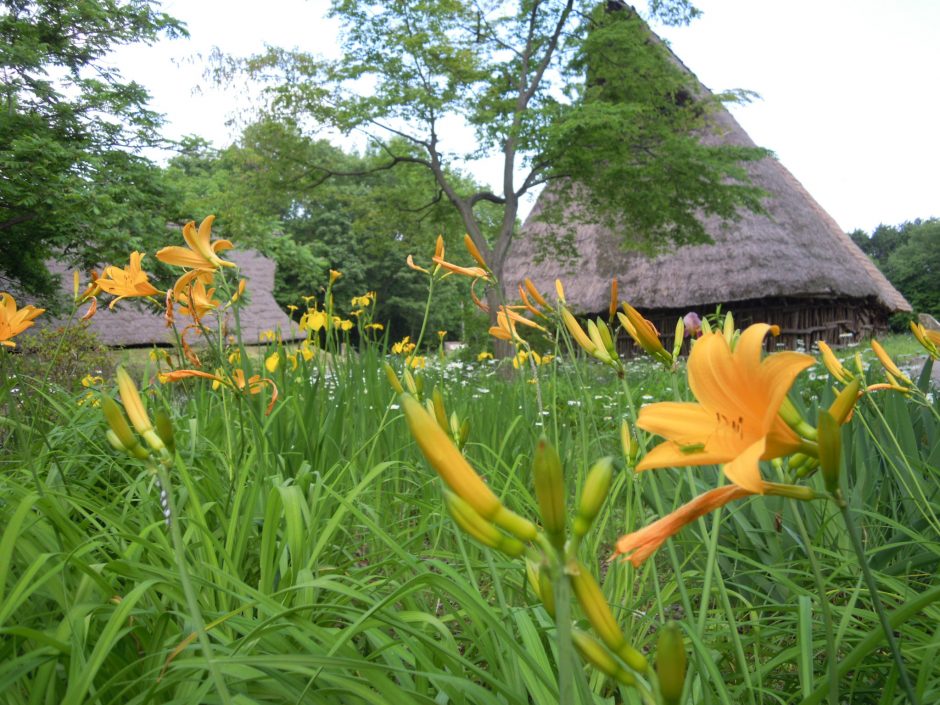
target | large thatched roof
x=795, y=250
x=131, y=325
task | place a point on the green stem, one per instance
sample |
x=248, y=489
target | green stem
x=562, y=589
x=875, y=597
x=831, y=656
x=199, y=625
x=427, y=314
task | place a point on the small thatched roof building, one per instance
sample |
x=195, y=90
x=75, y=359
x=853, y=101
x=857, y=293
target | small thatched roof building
x=792, y=266
x=131, y=325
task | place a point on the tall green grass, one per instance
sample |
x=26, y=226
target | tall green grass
x=327, y=570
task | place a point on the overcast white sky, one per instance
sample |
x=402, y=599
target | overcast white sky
x=850, y=89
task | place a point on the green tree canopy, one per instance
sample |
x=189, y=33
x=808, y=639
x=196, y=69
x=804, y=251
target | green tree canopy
x=265, y=195
x=554, y=93
x=71, y=180
x=909, y=256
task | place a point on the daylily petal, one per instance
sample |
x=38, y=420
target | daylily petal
x=744, y=471
x=674, y=455
x=636, y=547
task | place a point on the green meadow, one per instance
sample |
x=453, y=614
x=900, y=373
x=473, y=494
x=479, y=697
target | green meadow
x=299, y=549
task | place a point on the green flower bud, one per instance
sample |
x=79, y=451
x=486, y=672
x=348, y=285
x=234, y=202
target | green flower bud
x=550, y=490
x=830, y=449
x=596, y=487
x=670, y=663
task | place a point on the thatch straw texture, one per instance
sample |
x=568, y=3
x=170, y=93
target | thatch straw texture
x=130, y=324
x=795, y=252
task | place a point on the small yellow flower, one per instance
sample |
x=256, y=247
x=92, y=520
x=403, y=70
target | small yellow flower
x=417, y=362
x=485, y=355
x=272, y=362
x=442, y=334
x=363, y=301
x=267, y=336
x=334, y=275
x=346, y=325
x=200, y=253
x=403, y=347
x=14, y=321
x=375, y=326
x=313, y=320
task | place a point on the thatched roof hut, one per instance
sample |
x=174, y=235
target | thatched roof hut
x=131, y=325
x=792, y=266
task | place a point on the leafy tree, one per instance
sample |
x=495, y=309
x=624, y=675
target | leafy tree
x=914, y=265
x=70, y=179
x=266, y=196
x=590, y=101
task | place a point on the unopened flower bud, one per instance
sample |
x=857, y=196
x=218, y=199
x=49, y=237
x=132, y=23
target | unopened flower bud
x=830, y=449
x=594, y=653
x=844, y=404
x=595, y=490
x=670, y=663
x=480, y=529
x=393, y=379
x=541, y=583
x=121, y=431
x=164, y=429
x=550, y=490
x=601, y=619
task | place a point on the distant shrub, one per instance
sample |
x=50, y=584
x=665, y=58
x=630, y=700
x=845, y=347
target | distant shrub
x=62, y=356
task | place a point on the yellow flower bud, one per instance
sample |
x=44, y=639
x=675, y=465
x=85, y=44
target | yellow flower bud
x=670, y=663
x=594, y=653
x=844, y=404
x=132, y=402
x=393, y=379
x=577, y=332
x=437, y=404
x=480, y=529
x=126, y=440
x=601, y=619
x=550, y=490
x=457, y=473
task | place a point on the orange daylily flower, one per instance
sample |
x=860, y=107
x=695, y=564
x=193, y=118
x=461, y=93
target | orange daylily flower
x=410, y=261
x=195, y=300
x=14, y=321
x=735, y=421
x=474, y=272
x=236, y=380
x=201, y=253
x=128, y=282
